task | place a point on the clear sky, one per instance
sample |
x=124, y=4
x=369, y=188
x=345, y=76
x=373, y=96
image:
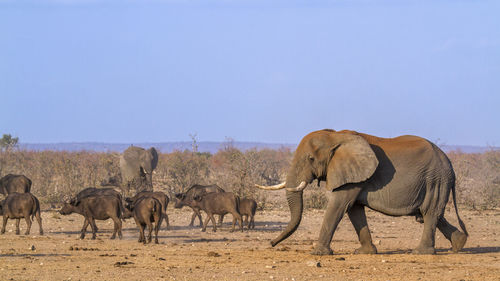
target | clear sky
x=252, y=70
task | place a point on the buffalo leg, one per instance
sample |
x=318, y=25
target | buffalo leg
x=84, y=228
x=39, y=220
x=141, y=233
x=139, y=225
x=196, y=213
x=17, y=226
x=165, y=217
x=214, y=223
x=157, y=227
x=221, y=219
x=245, y=219
x=117, y=227
x=94, y=228
x=28, y=224
x=204, y=228
x=4, y=223
x=252, y=222
x=150, y=229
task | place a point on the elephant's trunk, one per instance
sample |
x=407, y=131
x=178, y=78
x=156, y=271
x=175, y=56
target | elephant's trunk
x=295, y=203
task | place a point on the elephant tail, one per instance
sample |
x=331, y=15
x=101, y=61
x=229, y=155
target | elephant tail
x=460, y=222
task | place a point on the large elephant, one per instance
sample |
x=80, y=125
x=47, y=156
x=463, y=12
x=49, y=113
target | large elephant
x=402, y=176
x=136, y=166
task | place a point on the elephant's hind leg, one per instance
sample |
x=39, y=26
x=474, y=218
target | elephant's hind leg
x=357, y=216
x=427, y=241
x=455, y=236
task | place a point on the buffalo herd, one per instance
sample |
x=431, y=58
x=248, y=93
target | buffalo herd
x=147, y=208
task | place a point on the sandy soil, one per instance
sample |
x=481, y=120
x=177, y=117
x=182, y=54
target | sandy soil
x=185, y=253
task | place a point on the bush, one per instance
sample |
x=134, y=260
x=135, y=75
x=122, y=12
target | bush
x=56, y=175
x=477, y=178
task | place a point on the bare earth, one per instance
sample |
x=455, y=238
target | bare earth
x=185, y=253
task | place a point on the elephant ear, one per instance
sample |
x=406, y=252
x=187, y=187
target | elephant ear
x=352, y=161
x=154, y=160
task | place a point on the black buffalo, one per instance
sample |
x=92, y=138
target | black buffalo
x=14, y=183
x=96, y=207
x=186, y=199
x=21, y=205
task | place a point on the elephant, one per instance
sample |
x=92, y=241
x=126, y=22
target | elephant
x=401, y=176
x=136, y=166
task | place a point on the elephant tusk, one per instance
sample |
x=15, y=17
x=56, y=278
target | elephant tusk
x=301, y=187
x=272, y=187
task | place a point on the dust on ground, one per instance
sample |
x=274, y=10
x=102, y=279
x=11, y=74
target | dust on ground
x=186, y=253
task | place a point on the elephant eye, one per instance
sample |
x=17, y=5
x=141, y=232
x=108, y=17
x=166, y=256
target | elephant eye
x=311, y=158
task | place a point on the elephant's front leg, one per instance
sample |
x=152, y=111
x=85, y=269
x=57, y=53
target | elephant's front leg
x=357, y=216
x=339, y=201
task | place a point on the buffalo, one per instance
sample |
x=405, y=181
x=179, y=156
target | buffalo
x=219, y=203
x=96, y=207
x=158, y=195
x=187, y=199
x=14, y=183
x=147, y=210
x=18, y=206
x=247, y=210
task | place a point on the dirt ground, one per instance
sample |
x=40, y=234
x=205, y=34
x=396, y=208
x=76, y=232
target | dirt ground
x=186, y=253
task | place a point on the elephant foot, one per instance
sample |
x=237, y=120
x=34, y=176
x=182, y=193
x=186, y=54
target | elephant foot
x=458, y=240
x=371, y=249
x=424, y=251
x=41, y=232
x=322, y=251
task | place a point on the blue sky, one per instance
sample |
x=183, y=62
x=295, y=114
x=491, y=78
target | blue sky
x=268, y=71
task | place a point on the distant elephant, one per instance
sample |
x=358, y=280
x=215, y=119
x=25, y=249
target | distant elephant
x=14, y=183
x=137, y=165
x=402, y=176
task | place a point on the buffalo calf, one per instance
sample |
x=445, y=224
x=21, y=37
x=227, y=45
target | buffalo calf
x=147, y=210
x=220, y=204
x=96, y=207
x=18, y=206
x=247, y=210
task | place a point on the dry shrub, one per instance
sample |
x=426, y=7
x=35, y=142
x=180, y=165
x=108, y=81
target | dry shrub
x=177, y=171
x=477, y=178
x=56, y=174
